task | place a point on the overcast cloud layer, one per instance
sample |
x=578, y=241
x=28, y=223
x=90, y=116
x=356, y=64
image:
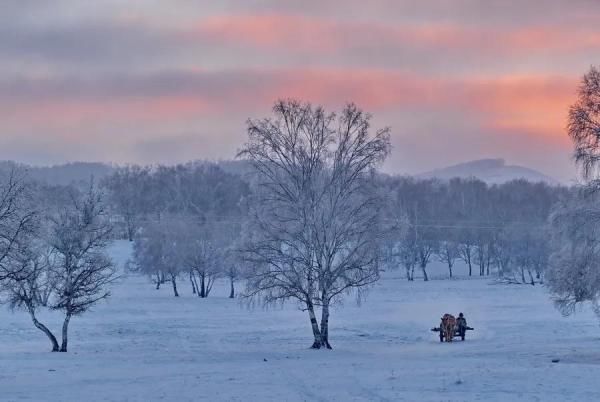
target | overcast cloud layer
x=168, y=81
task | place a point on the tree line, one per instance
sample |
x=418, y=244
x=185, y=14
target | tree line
x=499, y=229
x=188, y=223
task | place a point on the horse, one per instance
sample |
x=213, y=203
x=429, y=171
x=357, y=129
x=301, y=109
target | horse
x=448, y=326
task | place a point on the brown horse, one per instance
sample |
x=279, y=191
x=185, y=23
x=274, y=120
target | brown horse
x=448, y=326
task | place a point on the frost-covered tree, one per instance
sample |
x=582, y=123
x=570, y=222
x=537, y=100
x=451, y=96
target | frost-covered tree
x=232, y=266
x=573, y=275
x=574, y=270
x=540, y=254
x=199, y=248
x=399, y=252
x=419, y=202
x=502, y=256
x=232, y=272
x=66, y=263
x=447, y=253
x=425, y=249
x=408, y=259
x=204, y=257
x=466, y=202
x=158, y=252
x=584, y=126
x=522, y=252
x=78, y=237
x=316, y=230
x=128, y=189
x=147, y=255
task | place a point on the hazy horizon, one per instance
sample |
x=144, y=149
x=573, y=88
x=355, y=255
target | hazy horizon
x=443, y=170
x=158, y=82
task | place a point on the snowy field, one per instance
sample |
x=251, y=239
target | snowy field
x=145, y=345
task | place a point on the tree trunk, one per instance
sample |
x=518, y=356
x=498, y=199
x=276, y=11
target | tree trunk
x=158, y=281
x=65, y=333
x=503, y=267
x=424, y=269
x=202, y=287
x=481, y=263
x=481, y=257
x=450, y=269
x=209, y=284
x=174, y=283
x=470, y=267
x=315, y=326
x=44, y=329
x=192, y=282
x=231, y=289
x=325, y=324
x=531, y=280
x=195, y=280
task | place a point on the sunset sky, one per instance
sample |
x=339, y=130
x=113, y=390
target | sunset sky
x=150, y=81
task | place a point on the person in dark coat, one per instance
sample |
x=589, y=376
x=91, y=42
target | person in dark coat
x=461, y=323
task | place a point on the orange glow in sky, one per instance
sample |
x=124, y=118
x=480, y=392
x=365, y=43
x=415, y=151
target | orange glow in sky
x=456, y=80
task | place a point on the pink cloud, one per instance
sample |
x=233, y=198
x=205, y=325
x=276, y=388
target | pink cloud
x=528, y=103
x=319, y=35
x=531, y=103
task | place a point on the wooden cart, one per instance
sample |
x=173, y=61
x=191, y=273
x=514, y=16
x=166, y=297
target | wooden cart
x=458, y=332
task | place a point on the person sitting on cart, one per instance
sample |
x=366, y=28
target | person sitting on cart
x=461, y=323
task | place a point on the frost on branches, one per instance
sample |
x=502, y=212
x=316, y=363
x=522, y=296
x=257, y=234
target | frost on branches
x=315, y=225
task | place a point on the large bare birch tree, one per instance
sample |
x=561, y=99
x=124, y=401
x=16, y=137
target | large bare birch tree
x=315, y=220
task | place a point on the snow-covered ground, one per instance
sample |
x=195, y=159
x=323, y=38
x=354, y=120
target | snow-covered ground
x=145, y=345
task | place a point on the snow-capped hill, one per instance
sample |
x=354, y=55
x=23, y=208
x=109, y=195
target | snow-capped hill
x=491, y=171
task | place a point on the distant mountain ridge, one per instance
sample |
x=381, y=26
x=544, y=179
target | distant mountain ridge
x=491, y=171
